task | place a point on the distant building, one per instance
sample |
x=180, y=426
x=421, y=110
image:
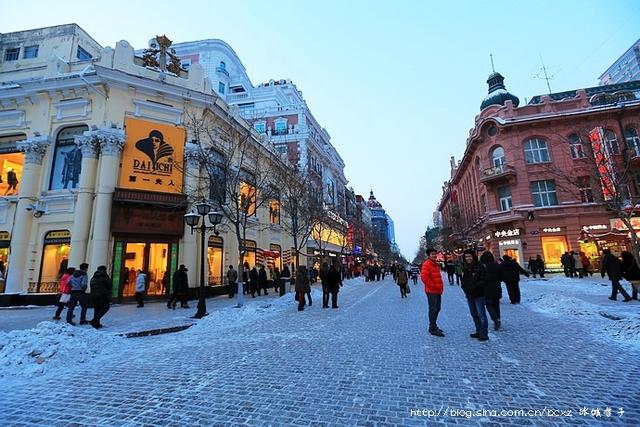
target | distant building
x=625, y=69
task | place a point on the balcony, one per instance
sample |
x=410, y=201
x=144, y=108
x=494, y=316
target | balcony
x=497, y=174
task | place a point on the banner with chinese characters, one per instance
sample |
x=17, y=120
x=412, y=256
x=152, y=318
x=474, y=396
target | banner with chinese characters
x=152, y=157
x=507, y=233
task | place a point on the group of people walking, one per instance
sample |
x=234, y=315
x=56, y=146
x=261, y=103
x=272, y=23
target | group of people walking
x=576, y=264
x=73, y=291
x=616, y=270
x=481, y=282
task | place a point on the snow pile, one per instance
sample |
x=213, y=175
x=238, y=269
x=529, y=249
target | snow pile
x=553, y=303
x=50, y=346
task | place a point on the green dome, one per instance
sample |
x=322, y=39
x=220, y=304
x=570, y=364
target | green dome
x=498, y=94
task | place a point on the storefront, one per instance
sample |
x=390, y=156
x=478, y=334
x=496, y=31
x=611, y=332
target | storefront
x=554, y=244
x=55, y=257
x=509, y=243
x=250, y=252
x=215, y=252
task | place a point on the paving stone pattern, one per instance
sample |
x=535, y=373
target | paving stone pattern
x=370, y=362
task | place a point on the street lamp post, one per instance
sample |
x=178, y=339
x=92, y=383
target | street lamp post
x=193, y=219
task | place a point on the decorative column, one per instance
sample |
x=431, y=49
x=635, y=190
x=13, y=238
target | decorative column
x=34, y=150
x=88, y=143
x=111, y=143
x=192, y=160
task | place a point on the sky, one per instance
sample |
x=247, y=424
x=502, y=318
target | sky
x=397, y=84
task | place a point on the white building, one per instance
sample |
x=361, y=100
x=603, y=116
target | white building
x=625, y=69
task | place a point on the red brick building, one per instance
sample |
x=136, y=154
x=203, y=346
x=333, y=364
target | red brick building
x=526, y=184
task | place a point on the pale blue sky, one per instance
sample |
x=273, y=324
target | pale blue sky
x=397, y=84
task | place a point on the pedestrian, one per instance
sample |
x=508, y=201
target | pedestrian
x=141, y=287
x=586, y=264
x=540, y=266
x=232, y=279
x=473, y=285
x=567, y=264
x=302, y=286
x=459, y=269
x=165, y=283
x=286, y=274
x=612, y=266
x=511, y=272
x=492, y=287
x=631, y=272
x=532, y=265
x=324, y=271
x=450, y=269
x=262, y=280
x=180, y=288
x=333, y=285
x=276, y=279
x=415, y=271
x=433, y=288
x=402, y=279
x=78, y=283
x=253, y=278
x=65, y=291
x=577, y=264
x=366, y=273
x=246, y=272
x=100, y=291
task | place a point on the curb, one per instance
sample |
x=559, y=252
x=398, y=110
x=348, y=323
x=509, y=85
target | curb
x=152, y=332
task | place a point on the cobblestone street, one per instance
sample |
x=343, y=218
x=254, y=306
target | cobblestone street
x=371, y=362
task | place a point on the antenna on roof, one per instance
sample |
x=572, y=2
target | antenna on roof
x=492, y=67
x=543, y=75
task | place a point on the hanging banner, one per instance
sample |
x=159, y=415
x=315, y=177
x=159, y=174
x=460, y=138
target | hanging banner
x=602, y=158
x=152, y=157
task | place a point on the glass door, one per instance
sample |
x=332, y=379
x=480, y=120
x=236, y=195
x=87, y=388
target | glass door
x=134, y=260
x=158, y=271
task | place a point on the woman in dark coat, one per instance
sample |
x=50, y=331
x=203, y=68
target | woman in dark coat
x=253, y=278
x=493, y=287
x=333, y=285
x=474, y=289
x=262, y=280
x=511, y=271
x=302, y=285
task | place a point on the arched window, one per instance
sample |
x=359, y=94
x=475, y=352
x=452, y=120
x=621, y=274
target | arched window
x=575, y=144
x=633, y=141
x=536, y=151
x=67, y=159
x=497, y=159
x=611, y=142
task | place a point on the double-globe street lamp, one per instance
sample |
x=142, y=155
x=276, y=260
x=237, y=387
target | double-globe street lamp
x=192, y=219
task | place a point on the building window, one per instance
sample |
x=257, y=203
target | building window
x=82, y=54
x=12, y=54
x=223, y=66
x=586, y=191
x=221, y=87
x=536, y=151
x=575, y=144
x=633, y=141
x=282, y=149
x=260, y=127
x=543, y=193
x=67, y=159
x=498, y=159
x=218, y=184
x=281, y=127
x=30, y=52
x=185, y=64
x=247, y=198
x=611, y=142
x=504, y=198
x=274, y=212
x=485, y=202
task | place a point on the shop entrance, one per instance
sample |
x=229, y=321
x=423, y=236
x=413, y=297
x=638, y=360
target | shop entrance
x=514, y=254
x=156, y=259
x=552, y=249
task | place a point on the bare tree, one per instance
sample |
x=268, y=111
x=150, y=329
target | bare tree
x=238, y=169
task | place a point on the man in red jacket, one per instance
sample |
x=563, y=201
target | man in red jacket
x=433, y=287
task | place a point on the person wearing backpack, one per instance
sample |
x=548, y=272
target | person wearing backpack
x=78, y=284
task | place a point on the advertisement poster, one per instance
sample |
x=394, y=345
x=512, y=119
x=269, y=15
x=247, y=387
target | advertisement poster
x=152, y=157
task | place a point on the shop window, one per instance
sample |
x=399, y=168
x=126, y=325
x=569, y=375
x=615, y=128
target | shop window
x=536, y=151
x=275, y=261
x=611, y=142
x=552, y=249
x=544, y=193
x=585, y=188
x=250, y=253
x=247, y=198
x=153, y=259
x=55, y=255
x=576, y=147
x=633, y=141
x=11, y=164
x=67, y=159
x=274, y=212
x=215, y=261
x=504, y=198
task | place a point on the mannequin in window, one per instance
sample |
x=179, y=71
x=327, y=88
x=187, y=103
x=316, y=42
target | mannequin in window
x=71, y=168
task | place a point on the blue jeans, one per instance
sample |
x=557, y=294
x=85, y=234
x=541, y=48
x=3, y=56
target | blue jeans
x=479, y=315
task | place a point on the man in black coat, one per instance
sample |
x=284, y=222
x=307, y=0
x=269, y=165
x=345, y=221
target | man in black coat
x=100, y=290
x=253, y=278
x=473, y=285
x=262, y=280
x=333, y=285
x=492, y=287
x=511, y=271
x=612, y=266
x=180, y=288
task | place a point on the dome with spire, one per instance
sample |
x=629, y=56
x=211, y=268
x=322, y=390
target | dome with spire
x=372, y=203
x=498, y=94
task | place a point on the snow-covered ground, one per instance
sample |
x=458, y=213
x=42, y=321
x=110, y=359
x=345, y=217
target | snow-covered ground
x=585, y=301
